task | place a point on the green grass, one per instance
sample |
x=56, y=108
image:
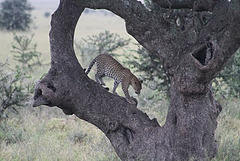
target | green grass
x=45, y=133
x=228, y=132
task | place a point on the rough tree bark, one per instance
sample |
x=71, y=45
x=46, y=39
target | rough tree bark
x=193, y=54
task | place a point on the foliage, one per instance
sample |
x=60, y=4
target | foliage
x=15, y=85
x=10, y=133
x=25, y=53
x=37, y=142
x=12, y=90
x=150, y=68
x=228, y=130
x=77, y=136
x=15, y=15
x=228, y=81
x=103, y=43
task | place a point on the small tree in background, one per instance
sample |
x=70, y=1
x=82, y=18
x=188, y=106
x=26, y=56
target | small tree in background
x=16, y=85
x=12, y=92
x=149, y=67
x=103, y=43
x=228, y=81
x=15, y=15
x=25, y=53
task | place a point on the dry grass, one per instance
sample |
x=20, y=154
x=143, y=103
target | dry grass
x=45, y=133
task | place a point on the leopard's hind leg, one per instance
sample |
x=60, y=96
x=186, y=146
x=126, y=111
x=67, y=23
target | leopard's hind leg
x=115, y=85
x=98, y=78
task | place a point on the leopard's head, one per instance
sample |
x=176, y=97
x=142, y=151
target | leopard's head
x=136, y=84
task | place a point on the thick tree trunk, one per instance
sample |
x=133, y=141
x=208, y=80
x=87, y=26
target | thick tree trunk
x=191, y=121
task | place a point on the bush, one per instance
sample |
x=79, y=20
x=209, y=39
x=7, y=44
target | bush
x=12, y=90
x=103, y=43
x=10, y=134
x=25, y=53
x=15, y=84
x=151, y=70
x=77, y=136
x=15, y=15
x=228, y=81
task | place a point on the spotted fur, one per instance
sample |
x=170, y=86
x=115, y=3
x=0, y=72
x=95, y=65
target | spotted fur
x=108, y=66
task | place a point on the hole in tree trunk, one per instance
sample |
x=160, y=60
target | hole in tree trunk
x=201, y=55
x=204, y=54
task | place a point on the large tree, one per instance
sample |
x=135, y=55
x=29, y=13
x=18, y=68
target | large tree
x=194, y=48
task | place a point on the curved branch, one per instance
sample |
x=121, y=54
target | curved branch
x=144, y=25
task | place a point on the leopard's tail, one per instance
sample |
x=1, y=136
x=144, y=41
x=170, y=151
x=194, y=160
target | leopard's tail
x=91, y=65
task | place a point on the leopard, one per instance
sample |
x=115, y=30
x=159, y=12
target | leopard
x=110, y=67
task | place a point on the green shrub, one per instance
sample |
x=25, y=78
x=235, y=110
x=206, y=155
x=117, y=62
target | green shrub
x=13, y=93
x=16, y=85
x=151, y=70
x=103, y=43
x=228, y=81
x=10, y=134
x=77, y=136
x=228, y=131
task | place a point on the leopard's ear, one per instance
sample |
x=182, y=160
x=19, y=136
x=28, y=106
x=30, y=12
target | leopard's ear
x=141, y=81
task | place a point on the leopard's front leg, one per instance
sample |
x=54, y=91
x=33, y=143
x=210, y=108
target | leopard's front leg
x=125, y=86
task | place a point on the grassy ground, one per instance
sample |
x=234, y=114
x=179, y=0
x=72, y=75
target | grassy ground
x=47, y=134
x=228, y=132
